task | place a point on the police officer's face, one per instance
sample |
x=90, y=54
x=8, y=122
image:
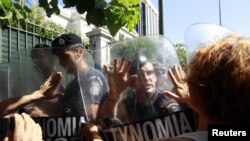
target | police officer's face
x=68, y=59
x=43, y=59
x=147, y=78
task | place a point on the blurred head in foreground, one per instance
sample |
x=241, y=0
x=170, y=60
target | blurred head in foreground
x=219, y=80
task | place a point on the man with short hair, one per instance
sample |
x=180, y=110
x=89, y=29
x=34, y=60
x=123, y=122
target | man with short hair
x=83, y=93
x=43, y=59
x=143, y=101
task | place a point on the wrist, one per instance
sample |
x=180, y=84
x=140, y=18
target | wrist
x=36, y=95
x=112, y=99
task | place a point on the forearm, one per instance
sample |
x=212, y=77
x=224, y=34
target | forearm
x=11, y=105
x=109, y=108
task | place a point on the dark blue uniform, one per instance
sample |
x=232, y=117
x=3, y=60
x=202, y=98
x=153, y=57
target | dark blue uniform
x=89, y=88
x=158, y=105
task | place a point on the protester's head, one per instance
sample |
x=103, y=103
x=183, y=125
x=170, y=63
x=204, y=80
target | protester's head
x=69, y=50
x=219, y=80
x=43, y=57
x=146, y=75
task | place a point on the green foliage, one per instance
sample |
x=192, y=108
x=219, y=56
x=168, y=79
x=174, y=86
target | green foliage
x=51, y=30
x=19, y=16
x=50, y=7
x=132, y=48
x=37, y=15
x=122, y=13
x=114, y=15
x=181, y=52
x=11, y=12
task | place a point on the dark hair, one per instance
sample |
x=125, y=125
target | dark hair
x=41, y=46
x=136, y=64
x=38, y=47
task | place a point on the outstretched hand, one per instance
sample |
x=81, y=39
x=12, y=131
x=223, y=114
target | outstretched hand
x=48, y=88
x=178, y=78
x=118, y=78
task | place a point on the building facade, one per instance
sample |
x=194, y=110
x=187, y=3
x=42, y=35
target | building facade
x=149, y=19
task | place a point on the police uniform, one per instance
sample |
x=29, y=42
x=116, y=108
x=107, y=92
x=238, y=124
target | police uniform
x=87, y=88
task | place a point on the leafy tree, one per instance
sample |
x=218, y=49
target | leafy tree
x=114, y=15
x=131, y=49
x=32, y=18
x=12, y=12
x=51, y=29
x=37, y=15
x=181, y=52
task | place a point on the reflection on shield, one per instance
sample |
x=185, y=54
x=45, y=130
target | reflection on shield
x=44, y=63
x=60, y=117
x=23, y=78
x=151, y=58
x=142, y=102
x=200, y=34
x=93, y=86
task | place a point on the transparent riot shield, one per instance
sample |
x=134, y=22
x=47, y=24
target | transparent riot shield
x=16, y=78
x=93, y=86
x=200, y=34
x=23, y=78
x=27, y=75
x=136, y=108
